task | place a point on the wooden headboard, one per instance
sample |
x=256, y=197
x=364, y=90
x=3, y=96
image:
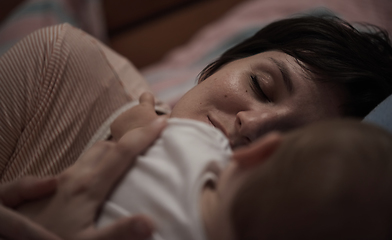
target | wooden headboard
x=144, y=31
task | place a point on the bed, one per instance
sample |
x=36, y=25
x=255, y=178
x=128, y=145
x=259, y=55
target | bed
x=205, y=28
x=177, y=71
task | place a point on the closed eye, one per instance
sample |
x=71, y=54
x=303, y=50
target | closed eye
x=257, y=88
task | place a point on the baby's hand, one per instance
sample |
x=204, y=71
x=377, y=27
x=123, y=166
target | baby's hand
x=138, y=116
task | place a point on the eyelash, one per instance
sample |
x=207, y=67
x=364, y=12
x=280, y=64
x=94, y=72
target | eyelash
x=257, y=88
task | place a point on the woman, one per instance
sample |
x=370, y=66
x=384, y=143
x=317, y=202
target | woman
x=290, y=73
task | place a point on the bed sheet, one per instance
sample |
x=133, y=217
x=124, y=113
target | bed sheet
x=32, y=15
x=177, y=72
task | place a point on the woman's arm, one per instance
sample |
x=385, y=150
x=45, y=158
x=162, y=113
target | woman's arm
x=70, y=213
x=83, y=188
x=14, y=226
x=58, y=87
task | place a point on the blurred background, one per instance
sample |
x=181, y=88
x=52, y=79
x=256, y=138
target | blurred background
x=141, y=30
x=157, y=25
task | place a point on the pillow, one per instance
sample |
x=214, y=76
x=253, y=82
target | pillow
x=382, y=114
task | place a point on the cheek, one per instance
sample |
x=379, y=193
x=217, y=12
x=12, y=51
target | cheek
x=191, y=104
x=230, y=94
x=220, y=92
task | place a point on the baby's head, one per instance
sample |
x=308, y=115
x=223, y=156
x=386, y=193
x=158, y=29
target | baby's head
x=330, y=180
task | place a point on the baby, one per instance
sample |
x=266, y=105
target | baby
x=330, y=180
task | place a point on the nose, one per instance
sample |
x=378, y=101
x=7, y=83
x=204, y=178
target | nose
x=250, y=124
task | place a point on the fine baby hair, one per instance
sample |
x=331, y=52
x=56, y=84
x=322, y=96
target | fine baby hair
x=330, y=180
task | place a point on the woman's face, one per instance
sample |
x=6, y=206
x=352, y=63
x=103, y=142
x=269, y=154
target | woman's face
x=252, y=96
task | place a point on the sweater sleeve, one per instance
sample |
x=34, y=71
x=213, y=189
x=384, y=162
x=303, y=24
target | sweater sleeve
x=58, y=85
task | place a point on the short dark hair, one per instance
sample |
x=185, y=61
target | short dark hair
x=359, y=62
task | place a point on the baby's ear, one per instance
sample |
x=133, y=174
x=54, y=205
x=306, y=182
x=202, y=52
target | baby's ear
x=259, y=151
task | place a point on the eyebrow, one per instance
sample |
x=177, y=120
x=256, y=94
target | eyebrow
x=285, y=74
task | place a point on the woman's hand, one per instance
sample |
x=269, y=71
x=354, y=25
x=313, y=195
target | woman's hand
x=83, y=188
x=15, y=226
x=138, y=116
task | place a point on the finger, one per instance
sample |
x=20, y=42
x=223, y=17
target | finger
x=93, y=155
x=147, y=98
x=27, y=188
x=84, y=176
x=134, y=228
x=111, y=161
x=135, y=142
x=127, y=149
x=16, y=227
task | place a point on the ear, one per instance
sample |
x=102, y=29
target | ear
x=259, y=151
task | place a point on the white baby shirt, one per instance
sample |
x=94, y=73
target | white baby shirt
x=166, y=182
